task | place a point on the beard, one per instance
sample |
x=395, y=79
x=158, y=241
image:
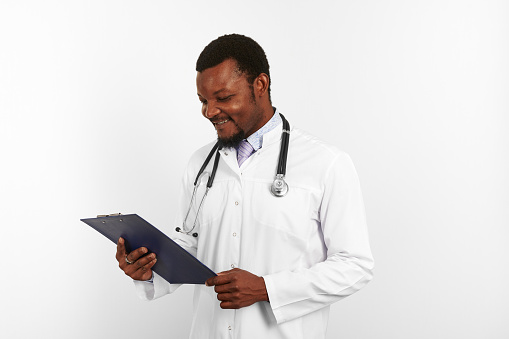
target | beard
x=233, y=140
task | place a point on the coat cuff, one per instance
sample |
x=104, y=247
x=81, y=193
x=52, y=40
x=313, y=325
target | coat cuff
x=150, y=290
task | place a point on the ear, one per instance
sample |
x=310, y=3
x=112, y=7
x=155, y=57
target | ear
x=261, y=85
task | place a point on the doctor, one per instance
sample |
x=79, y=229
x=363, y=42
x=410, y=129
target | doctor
x=282, y=260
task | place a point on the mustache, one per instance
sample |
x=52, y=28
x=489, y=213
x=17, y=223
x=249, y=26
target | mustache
x=215, y=120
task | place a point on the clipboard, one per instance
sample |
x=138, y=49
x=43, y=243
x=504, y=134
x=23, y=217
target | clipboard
x=174, y=264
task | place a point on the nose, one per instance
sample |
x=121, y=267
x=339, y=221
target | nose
x=209, y=110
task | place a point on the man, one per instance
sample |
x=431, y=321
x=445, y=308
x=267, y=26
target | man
x=282, y=260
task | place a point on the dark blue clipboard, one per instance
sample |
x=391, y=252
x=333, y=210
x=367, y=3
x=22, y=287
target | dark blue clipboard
x=174, y=264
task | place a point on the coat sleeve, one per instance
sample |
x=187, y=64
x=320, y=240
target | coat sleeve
x=349, y=263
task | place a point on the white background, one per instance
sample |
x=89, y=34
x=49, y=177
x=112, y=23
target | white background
x=99, y=114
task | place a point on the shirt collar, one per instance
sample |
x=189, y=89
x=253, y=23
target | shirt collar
x=256, y=139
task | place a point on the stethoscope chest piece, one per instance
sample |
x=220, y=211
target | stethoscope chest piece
x=279, y=187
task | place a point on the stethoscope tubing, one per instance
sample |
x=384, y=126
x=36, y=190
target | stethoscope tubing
x=281, y=172
x=206, y=162
x=195, y=188
x=283, y=153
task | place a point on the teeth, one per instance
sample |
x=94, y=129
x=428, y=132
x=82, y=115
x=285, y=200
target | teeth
x=221, y=122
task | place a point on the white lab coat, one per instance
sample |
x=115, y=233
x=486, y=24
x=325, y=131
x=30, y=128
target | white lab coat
x=311, y=246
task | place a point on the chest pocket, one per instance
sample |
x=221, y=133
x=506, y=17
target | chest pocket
x=295, y=213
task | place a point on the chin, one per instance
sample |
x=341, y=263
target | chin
x=231, y=141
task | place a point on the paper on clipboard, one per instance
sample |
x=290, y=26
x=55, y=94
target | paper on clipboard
x=174, y=264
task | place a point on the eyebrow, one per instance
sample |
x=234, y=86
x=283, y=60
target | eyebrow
x=219, y=91
x=216, y=92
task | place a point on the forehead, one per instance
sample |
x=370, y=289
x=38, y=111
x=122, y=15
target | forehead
x=225, y=75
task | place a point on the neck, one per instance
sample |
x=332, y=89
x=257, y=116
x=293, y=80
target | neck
x=268, y=112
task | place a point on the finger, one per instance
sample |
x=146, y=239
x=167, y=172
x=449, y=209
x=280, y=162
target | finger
x=233, y=270
x=225, y=288
x=140, y=264
x=136, y=272
x=151, y=264
x=221, y=279
x=120, y=249
x=224, y=296
x=144, y=272
x=228, y=305
x=136, y=254
x=143, y=261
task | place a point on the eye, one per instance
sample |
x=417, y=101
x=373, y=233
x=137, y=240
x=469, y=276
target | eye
x=223, y=99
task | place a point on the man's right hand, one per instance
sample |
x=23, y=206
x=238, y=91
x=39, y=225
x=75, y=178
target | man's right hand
x=141, y=267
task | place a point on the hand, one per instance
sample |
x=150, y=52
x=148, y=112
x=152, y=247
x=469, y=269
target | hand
x=238, y=288
x=141, y=267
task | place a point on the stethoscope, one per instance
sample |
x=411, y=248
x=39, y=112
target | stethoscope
x=279, y=187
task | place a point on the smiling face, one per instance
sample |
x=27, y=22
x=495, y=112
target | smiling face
x=236, y=108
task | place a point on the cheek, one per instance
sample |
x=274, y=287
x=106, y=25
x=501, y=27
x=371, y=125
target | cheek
x=236, y=110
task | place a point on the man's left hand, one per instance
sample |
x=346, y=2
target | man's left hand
x=238, y=288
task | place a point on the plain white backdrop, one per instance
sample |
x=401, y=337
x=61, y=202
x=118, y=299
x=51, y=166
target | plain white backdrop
x=99, y=114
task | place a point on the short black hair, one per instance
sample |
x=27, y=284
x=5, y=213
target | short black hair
x=249, y=55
